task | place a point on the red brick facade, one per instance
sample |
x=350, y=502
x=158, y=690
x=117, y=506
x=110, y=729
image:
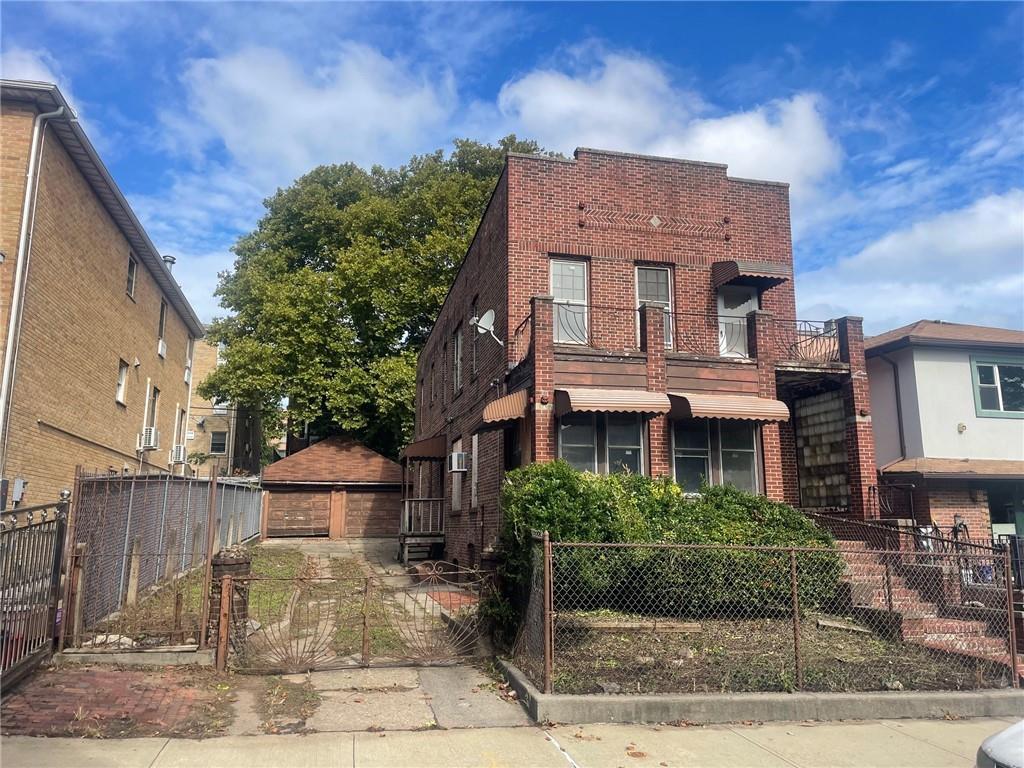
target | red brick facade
x=615, y=212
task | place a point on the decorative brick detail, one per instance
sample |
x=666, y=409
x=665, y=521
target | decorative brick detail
x=652, y=342
x=641, y=221
x=860, y=442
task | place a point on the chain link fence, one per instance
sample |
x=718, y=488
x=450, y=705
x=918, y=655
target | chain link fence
x=139, y=547
x=662, y=618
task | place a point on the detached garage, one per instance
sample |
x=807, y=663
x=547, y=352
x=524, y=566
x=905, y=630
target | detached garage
x=337, y=487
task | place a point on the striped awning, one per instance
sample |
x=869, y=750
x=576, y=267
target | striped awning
x=507, y=408
x=610, y=401
x=429, y=448
x=709, y=406
x=748, y=272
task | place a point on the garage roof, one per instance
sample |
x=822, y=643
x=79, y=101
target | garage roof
x=335, y=460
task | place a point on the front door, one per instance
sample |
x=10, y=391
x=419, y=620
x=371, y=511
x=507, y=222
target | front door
x=734, y=302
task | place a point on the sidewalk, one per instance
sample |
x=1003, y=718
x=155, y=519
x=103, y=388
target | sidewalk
x=878, y=744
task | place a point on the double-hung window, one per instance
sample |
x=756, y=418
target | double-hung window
x=122, y=381
x=715, y=452
x=218, y=443
x=654, y=287
x=133, y=269
x=602, y=442
x=569, y=289
x=457, y=360
x=998, y=386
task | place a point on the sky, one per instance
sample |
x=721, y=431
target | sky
x=900, y=127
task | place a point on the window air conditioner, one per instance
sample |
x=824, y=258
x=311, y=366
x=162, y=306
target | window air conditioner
x=188, y=374
x=178, y=454
x=457, y=462
x=161, y=348
x=149, y=440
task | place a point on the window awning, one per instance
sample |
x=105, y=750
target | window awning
x=740, y=272
x=503, y=410
x=708, y=406
x=429, y=448
x=610, y=401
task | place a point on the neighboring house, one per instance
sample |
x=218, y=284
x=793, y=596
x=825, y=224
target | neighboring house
x=337, y=487
x=96, y=330
x=714, y=380
x=948, y=404
x=222, y=438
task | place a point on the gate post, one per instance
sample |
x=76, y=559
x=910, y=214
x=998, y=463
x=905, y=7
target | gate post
x=366, y=623
x=549, y=630
x=794, y=594
x=226, y=593
x=1011, y=630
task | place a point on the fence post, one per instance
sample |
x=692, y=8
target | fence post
x=794, y=593
x=133, y=573
x=208, y=576
x=888, y=581
x=366, y=623
x=178, y=636
x=223, y=625
x=76, y=598
x=549, y=633
x=163, y=527
x=127, y=538
x=1011, y=627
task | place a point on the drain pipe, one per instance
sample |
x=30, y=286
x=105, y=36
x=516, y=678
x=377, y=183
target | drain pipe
x=20, y=272
x=899, y=404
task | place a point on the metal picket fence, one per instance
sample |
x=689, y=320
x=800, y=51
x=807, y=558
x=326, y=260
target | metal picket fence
x=139, y=547
x=673, y=618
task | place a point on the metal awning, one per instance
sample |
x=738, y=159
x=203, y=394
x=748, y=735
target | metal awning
x=508, y=408
x=741, y=272
x=429, y=448
x=610, y=401
x=706, y=406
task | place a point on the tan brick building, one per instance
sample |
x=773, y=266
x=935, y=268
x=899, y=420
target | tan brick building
x=97, y=334
x=221, y=438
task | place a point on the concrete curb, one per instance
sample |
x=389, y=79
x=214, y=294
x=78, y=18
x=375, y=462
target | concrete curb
x=761, y=707
x=138, y=658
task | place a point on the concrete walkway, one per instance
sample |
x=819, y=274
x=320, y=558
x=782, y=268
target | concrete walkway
x=877, y=744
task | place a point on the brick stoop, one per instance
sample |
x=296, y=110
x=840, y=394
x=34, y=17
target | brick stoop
x=914, y=619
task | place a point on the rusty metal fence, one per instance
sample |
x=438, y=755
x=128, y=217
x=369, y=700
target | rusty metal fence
x=331, y=618
x=663, y=618
x=31, y=547
x=139, y=550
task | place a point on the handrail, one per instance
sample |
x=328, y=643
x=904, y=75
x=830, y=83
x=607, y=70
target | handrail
x=884, y=534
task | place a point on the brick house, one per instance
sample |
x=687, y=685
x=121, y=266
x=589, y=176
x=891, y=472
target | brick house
x=97, y=333
x=226, y=437
x=949, y=402
x=647, y=311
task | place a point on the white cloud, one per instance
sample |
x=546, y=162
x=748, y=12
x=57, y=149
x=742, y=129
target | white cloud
x=38, y=64
x=277, y=121
x=629, y=102
x=965, y=265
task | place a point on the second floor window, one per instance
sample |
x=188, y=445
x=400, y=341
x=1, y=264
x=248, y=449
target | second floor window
x=474, y=358
x=569, y=289
x=133, y=268
x=218, y=442
x=998, y=387
x=654, y=287
x=162, y=323
x=457, y=360
x=122, y=381
x=154, y=407
x=433, y=383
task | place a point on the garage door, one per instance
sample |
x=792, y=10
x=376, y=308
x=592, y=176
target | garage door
x=298, y=513
x=373, y=513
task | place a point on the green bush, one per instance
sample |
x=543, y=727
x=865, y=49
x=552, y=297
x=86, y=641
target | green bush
x=582, y=507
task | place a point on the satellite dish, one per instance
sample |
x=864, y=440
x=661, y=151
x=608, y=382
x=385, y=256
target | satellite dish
x=485, y=324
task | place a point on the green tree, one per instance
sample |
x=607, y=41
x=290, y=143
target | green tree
x=334, y=293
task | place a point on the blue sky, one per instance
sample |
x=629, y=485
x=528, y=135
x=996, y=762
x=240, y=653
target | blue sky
x=899, y=127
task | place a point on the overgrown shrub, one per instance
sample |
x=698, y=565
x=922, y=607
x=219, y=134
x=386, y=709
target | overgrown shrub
x=582, y=507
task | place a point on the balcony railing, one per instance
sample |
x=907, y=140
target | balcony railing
x=423, y=516
x=706, y=334
x=810, y=341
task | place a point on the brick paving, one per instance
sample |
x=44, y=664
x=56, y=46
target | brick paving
x=95, y=701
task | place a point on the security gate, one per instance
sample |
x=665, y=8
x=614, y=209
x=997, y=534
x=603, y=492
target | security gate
x=340, y=620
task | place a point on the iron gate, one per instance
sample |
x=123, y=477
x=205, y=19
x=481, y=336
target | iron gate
x=31, y=547
x=335, y=621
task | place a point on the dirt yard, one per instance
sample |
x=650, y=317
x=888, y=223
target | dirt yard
x=750, y=655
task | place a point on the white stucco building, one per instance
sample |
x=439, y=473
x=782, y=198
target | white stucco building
x=947, y=405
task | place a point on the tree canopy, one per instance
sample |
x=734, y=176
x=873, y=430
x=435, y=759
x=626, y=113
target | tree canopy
x=333, y=295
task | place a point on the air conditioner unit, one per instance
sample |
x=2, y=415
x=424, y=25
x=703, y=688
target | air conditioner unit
x=188, y=374
x=178, y=455
x=457, y=462
x=161, y=348
x=149, y=440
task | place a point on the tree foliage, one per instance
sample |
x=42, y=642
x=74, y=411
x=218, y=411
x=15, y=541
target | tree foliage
x=333, y=295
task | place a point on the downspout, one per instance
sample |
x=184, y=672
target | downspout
x=20, y=273
x=899, y=404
